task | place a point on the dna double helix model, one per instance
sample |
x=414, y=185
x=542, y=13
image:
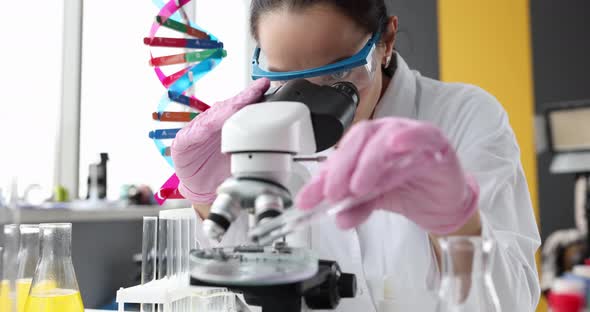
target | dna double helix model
x=196, y=53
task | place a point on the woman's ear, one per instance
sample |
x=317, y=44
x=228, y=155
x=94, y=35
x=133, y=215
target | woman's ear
x=388, y=38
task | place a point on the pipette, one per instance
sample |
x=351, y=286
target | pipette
x=294, y=219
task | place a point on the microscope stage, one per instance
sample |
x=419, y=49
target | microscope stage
x=253, y=265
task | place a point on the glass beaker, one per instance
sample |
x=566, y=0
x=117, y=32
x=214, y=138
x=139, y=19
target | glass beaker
x=466, y=283
x=55, y=288
x=8, y=287
x=28, y=255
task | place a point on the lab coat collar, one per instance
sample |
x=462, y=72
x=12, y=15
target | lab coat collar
x=399, y=98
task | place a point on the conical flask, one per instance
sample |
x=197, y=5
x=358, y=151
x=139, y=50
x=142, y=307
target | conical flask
x=11, y=235
x=466, y=283
x=28, y=256
x=3, y=301
x=55, y=288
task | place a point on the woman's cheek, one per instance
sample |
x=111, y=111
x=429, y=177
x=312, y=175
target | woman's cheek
x=368, y=101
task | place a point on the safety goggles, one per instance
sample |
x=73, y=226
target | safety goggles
x=358, y=69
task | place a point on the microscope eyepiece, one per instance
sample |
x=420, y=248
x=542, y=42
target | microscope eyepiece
x=349, y=89
x=332, y=107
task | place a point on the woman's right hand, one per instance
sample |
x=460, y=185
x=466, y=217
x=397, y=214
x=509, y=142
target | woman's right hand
x=196, y=150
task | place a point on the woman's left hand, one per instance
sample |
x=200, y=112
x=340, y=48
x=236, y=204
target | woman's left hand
x=405, y=166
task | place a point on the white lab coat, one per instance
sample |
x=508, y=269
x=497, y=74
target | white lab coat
x=390, y=255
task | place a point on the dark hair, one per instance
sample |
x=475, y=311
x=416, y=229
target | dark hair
x=369, y=14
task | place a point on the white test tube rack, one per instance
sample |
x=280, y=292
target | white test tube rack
x=161, y=293
x=171, y=290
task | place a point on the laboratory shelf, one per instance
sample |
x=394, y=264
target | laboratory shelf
x=89, y=214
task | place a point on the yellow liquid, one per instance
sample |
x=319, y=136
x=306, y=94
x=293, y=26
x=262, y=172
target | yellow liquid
x=22, y=292
x=55, y=300
x=5, y=302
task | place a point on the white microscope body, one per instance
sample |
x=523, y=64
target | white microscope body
x=264, y=141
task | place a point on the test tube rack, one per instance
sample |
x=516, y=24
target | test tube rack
x=167, y=297
x=165, y=287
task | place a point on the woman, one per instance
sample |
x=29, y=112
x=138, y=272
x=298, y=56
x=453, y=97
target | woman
x=440, y=159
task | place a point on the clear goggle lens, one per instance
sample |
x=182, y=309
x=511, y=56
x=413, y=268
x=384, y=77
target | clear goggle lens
x=360, y=76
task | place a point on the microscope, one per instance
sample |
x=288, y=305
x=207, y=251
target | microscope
x=266, y=141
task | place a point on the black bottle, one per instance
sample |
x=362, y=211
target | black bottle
x=98, y=173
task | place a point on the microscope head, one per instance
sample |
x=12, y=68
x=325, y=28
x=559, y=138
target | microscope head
x=299, y=118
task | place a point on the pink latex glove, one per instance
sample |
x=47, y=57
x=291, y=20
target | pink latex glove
x=196, y=150
x=405, y=166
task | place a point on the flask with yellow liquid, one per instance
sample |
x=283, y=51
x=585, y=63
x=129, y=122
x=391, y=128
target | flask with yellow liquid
x=9, y=272
x=4, y=285
x=9, y=239
x=54, y=287
x=28, y=255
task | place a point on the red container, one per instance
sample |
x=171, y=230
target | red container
x=566, y=302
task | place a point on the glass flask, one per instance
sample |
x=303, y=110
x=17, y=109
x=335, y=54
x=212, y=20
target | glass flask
x=55, y=288
x=4, y=306
x=28, y=255
x=10, y=240
x=466, y=283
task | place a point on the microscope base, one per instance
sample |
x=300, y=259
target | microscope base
x=322, y=291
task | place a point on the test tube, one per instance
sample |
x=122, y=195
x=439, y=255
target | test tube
x=193, y=234
x=162, y=248
x=177, y=236
x=178, y=256
x=170, y=252
x=189, y=239
x=192, y=245
x=162, y=253
x=171, y=256
x=183, y=277
x=148, y=255
x=185, y=249
x=178, y=248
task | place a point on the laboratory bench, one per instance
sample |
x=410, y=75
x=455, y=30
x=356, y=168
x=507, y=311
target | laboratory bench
x=116, y=214
x=98, y=212
x=104, y=241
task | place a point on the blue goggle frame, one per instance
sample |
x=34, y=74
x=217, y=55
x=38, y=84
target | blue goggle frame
x=356, y=60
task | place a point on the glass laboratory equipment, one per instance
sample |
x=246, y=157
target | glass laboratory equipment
x=176, y=236
x=54, y=287
x=466, y=283
x=10, y=240
x=148, y=255
x=3, y=300
x=28, y=255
